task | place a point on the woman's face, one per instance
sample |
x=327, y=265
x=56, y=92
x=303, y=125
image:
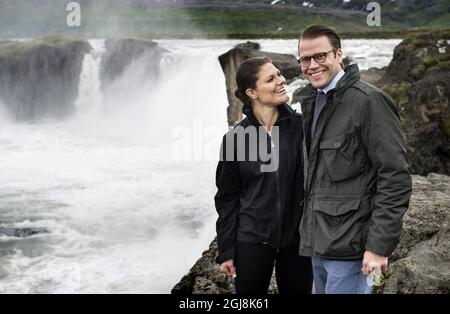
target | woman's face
x=269, y=89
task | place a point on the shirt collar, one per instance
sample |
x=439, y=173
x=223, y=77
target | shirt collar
x=333, y=82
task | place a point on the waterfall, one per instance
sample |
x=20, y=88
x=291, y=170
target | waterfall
x=90, y=97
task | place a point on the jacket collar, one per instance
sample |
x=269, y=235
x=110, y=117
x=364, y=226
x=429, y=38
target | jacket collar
x=333, y=83
x=350, y=77
x=285, y=112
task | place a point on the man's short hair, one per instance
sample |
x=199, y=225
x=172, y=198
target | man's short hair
x=315, y=31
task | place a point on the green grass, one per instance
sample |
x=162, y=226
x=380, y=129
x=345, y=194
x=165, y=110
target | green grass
x=246, y=23
x=438, y=33
x=441, y=22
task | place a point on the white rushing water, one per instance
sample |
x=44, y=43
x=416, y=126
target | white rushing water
x=125, y=188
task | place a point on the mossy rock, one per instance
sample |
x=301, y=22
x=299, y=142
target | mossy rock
x=17, y=49
x=399, y=92
x=435, y=59
x=418, y=71
x=416, y=54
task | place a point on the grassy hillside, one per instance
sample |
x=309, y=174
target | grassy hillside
x=218, y=19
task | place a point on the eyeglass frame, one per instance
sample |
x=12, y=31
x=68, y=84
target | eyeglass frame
x=299, y=60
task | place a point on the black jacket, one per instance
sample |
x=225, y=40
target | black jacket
x=256, y=206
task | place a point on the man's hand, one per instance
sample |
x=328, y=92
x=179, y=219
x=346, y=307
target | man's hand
x=372, y=261
x=228, y=268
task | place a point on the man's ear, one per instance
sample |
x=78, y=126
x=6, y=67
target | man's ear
x=251, y=93
x=339, y=55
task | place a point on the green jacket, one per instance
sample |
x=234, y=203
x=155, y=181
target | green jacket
x=357, y=185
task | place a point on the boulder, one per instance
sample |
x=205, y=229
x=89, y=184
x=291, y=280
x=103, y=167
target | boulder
x=230, y=61
x=40, y=78
x=421, y=261
x=205, y=277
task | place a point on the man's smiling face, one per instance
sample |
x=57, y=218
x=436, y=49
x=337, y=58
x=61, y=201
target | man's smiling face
x=320, y=74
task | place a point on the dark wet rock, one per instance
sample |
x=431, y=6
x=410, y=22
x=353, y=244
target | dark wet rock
x=205, y=277
x=121, y=53
x=40, y=78
x=230, y=61
x=21, y=232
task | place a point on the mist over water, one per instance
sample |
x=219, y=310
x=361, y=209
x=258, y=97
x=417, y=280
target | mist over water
x=124, y=187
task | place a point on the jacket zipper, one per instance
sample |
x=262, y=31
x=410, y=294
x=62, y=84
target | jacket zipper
x=277, y=180
x=278, y=205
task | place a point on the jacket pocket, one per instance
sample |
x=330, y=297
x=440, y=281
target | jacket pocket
x=339, y=227
x=343, y=156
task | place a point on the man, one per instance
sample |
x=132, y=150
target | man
x=357, y=185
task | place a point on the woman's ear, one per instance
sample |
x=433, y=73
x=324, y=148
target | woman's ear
x=251, y=93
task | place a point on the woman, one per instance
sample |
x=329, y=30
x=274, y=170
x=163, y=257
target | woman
x=259, y=200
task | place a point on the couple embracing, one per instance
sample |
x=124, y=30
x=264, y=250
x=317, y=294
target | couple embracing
x=328, y=207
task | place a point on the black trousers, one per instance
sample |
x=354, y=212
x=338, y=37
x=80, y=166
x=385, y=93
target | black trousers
x=254, y=266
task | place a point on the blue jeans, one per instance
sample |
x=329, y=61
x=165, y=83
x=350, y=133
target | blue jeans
x=334, y=276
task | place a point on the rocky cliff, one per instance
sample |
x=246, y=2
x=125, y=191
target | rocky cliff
x=40, y=78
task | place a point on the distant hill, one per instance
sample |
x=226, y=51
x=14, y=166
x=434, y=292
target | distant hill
x=414, y=13
x=214, y=18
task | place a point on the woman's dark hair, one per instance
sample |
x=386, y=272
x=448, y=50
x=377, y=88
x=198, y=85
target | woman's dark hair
x=247, y=75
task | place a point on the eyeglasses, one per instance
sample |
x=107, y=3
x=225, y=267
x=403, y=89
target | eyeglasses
x=319, y=58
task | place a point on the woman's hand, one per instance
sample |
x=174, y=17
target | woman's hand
x=228, y=268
